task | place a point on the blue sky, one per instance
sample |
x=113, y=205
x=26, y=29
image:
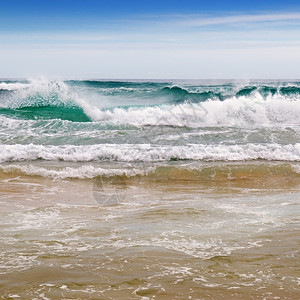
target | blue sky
x=150, y=39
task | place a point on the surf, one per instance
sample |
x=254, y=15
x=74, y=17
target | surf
x=152, y=103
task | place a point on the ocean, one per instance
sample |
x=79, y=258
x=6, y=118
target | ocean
x=175, y=189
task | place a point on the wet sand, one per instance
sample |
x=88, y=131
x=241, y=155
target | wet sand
x=172, y=236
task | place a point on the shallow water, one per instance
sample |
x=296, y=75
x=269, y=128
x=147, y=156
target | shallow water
x=165, y=240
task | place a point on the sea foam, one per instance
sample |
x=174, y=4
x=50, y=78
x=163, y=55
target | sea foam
x=241, y=111
x=150, y=153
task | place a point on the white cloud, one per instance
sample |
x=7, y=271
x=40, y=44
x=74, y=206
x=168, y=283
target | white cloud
x=206, y=21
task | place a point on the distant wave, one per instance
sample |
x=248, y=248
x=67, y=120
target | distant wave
x=181, y=95
x=269, y=91
x=117, y=84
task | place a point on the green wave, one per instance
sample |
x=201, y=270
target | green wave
x=117, y=84
x=179, y=94
x=246, y=91
x=290, y=90
x=74, y=114
x=269, y=91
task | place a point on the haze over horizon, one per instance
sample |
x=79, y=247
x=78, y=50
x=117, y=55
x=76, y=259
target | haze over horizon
x=157, y=39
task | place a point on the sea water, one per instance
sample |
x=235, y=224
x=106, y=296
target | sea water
x=149, y=189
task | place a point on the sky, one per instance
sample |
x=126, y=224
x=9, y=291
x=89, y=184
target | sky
x=150, y=39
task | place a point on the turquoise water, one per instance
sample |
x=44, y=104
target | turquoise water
x=148, y=121
x=149, y=189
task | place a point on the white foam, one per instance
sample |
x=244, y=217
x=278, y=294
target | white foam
x=84, y=172
x=150, y=153
x=296, y=168
x=243, y=111
x=13, y=86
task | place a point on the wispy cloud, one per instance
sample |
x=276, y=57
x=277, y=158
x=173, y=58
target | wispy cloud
x=234, y=19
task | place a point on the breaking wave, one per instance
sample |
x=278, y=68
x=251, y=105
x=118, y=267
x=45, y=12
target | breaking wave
x=151, y=103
